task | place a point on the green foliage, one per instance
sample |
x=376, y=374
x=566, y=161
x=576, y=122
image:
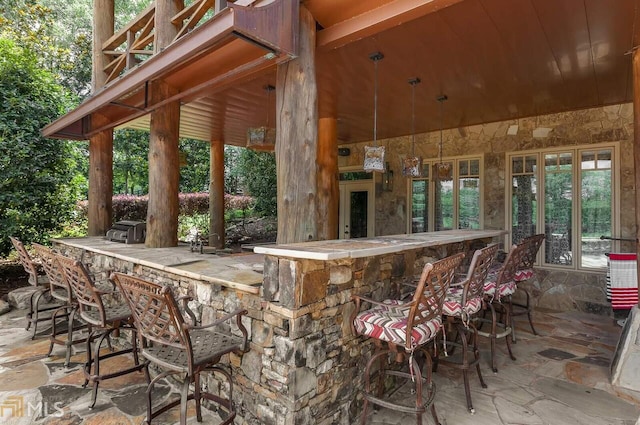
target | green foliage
x=130, y=162
x=37, y=186
x=194, y=172
x=258, y=170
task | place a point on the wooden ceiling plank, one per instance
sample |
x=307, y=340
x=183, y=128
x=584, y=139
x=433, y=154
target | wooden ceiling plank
x=377, y=20
x=571, y=49
x=610, y=32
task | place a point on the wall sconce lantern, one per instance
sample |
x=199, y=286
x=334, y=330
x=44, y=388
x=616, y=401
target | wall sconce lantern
x=387, y=179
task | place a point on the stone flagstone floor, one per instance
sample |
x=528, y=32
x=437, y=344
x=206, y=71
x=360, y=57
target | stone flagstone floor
x=561, y=377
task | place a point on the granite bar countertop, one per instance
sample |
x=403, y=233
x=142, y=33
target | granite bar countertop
x=367, y=247
x=242, y=271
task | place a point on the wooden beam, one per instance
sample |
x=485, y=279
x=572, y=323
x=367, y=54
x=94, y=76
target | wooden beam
x=297, y=139
x=164, y=171
x=636, y=145
x=216, y=195
x=99, y=213
x=103, y=22
x=142, y=20
x=328, y=189
x=378, y=20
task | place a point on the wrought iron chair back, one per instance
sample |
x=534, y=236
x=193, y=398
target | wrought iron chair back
x=430, y=293
x=27, y=262
x=155, y=311
x=477, y=274
x=84, y=290
x=58, y=283
x=511, y=265
x=533, y=246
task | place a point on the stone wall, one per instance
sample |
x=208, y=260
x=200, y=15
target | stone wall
x=304, y=364
x=552, y=289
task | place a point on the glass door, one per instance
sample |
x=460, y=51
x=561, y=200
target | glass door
x=356, y=210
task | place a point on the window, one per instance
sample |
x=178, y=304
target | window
x=448, y=198
x=569, y=198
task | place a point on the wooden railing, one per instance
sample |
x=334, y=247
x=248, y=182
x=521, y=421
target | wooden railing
x=134, y=43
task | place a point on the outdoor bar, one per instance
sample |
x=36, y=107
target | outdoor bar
x=303, y=359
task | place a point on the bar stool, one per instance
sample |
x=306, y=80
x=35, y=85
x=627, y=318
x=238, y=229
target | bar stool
x=525, y=272
x=406, y=327
x=61, y=291
x=498, y=288
x=180, y=347
x=104, y=320
x=37, y=301
x=463, y=301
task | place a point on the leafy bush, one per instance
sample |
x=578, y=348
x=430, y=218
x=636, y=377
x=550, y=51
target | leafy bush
x=259, y=179
x=130, y=207
x=37, y=185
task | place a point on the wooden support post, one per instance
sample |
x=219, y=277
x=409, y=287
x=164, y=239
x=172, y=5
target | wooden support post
x=165, y=30
x=99, y=215
x=164, y=171
x=164, y=164
x=636, y=144
x=297, y=140
x=103, y=27
x=216, y=195
x=328, y=189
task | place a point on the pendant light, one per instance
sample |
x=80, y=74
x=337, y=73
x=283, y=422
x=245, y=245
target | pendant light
x=374, y=155
x=412, y=165
x=263, y=138
x=442, y=169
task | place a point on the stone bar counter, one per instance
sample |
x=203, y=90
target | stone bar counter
x=304, y=366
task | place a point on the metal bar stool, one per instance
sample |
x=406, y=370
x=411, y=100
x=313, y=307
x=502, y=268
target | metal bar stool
x=406, y=327
x=525, y=272
x=498, y=288
x=37, y=301
x=104, y=320
x=463, y=301
x=61, y=290
x=180, y=347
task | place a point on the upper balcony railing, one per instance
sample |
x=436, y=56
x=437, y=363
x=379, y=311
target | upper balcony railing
x=134, y=43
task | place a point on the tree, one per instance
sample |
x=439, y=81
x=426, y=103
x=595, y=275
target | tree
x=194, y=165
x=258, y=171
x=38, y=188
x=130, y=162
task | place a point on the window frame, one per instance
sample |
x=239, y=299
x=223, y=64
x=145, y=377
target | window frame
x=431, y=188
x=576, y=215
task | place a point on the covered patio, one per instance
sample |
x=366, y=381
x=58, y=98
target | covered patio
x=538, y=92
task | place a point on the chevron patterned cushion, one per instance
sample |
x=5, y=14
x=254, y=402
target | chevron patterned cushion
x=453, y=304
x=523, y=274
x=506, y=289
x=391, y=325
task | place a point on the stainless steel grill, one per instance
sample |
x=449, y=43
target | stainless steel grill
x=128, y=231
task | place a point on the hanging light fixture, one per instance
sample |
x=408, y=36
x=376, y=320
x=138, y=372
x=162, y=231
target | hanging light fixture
x=263, y=138
x=374, y=155
x=442, y=170
x=412, y=165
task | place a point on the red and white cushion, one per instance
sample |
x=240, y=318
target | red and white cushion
x=490, y=286
x=523, y=274
x=453, y=304
x=390, y=324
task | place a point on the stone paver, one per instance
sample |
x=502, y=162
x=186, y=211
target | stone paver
x=560, y=377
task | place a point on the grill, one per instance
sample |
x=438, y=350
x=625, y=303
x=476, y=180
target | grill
x=127, y=231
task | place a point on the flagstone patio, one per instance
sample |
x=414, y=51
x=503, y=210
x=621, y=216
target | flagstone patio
x=560, y=377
